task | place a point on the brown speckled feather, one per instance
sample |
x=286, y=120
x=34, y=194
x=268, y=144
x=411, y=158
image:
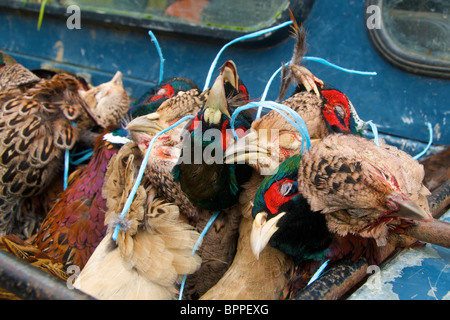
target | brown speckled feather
x=36, y=129
x=13, y=74
x=38, y=123
x=348, y=172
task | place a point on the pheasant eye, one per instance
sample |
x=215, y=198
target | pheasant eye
x=288, y=188
x=161, y=91
x=339, y=111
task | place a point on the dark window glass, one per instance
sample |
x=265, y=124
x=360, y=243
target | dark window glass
x=412, y=34
x=419, y=26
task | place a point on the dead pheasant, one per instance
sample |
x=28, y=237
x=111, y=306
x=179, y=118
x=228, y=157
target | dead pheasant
x=324, y=110
x=361, y=188
x=219, y=244
x=153, y=249
x=38, y=123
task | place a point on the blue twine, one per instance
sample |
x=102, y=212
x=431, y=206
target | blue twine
x=375, y=132
x=66, y=165
x=141, y=173
x=285, y=111
x=318, y=272
x=325, y=62
x=320, y=60
x=197, y=244
x=161, y=58
x=245, y=37
x=73, y=155
x=430, y=141
x=86, y=155
x=266, y=89
x=66, y=168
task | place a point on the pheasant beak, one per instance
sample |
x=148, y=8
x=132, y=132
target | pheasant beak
x=216, y=105
x=145, y=124
x=245, y=149
x=407, y=209
x=262, y=231
x=229, y=73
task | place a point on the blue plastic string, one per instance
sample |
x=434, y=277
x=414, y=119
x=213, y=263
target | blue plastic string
x=66, y=168
x=66, y=165
x=318, y=272
x=325, y=62
x=245, y=37
x=375, y=132
x=85, y=155
x=430, y=141
x=298, y=124
x=266, y=89
x=141, y=173
x=197, y=244
x=285, y=111
x=320, y=60
x=161, y=58
x=81, y=153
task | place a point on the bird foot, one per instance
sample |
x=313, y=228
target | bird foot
x=305, y=77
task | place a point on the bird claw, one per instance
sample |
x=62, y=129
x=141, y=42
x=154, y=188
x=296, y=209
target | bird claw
x=305, y=77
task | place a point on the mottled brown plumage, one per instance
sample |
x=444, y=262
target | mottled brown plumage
x=153, y=248
x=166, y=150
x=272, y=139
x=23, y=250
x=75, y=225
x=13, y=74
x=362, y=188
x=38, y=123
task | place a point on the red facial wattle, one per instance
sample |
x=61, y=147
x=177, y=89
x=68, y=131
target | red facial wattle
x=333, y=100
x=273, y=197
x=243, y=91
x=165, y=91
x=196, y=122
x=226, y=133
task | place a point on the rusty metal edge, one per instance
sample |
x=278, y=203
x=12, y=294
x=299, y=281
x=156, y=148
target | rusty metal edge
x=343, y=277
x=30, y=283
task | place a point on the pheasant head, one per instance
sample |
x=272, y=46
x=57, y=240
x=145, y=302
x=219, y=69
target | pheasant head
x=107, y=103
x=284, y=219
x=203, y=177
x=150, y=101
x=362, y=188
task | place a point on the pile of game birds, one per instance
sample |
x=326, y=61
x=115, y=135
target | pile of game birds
x=196, y=194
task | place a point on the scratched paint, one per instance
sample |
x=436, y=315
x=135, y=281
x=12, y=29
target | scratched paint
x=415, y=274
